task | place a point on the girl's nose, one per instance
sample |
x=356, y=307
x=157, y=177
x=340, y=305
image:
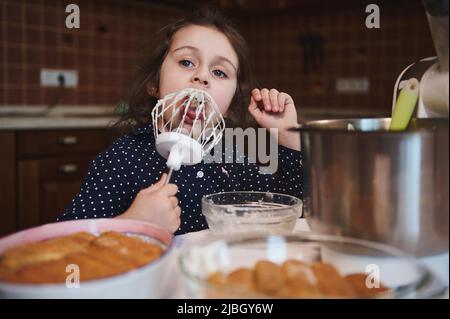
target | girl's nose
x=201, y=78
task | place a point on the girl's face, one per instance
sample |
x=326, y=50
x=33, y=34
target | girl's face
x=203, y=58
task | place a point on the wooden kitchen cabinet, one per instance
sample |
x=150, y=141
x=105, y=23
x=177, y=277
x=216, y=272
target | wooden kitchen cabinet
x=8, y=221
x=46, y=186
x=45, y=169
x=36, y=144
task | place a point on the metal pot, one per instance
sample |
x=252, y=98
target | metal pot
x=364, y=181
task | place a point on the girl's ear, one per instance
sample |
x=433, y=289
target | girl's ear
x=152, y=90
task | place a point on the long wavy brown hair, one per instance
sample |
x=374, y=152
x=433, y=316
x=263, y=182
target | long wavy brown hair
x=140, y=104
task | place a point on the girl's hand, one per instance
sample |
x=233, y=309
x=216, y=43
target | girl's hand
x=156, y=204
x=273, y=109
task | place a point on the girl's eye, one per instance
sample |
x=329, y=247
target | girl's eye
x=186, y=63
x=220, y=74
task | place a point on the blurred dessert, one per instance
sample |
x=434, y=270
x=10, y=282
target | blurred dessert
x=109, y=254
x=296, y=279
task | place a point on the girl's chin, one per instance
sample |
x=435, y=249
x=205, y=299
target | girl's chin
x=187, y=125
x=188, y=121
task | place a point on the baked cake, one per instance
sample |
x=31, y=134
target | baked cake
x=109, y=254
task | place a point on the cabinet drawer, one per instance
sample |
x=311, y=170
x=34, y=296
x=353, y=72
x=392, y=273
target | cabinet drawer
x=64, y=168
x=61, y=142
x=46, y=186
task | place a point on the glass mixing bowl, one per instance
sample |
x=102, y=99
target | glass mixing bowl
x=251, y=211
x=402, y=275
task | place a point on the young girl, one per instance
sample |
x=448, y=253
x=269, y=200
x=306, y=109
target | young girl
x=202, y=52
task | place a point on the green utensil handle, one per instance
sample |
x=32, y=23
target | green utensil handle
x=405, y=105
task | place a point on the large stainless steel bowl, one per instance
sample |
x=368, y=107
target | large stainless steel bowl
x=367, y=182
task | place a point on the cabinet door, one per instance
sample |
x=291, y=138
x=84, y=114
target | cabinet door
x=7, y=183
x=55, y=196
x=46, y=187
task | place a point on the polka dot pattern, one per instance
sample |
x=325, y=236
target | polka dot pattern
x=132, y=163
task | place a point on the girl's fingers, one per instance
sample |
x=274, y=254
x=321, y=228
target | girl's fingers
x=169, y=190
x=266, y=99
x=253, y=108
x=177, y=223
x=282, y=100
x=288, y=101
x=154, y=187
x=173, y=201
x=148, y=190
x=162, y=180
x=256, y=94
x=269, y=101
x=273, y=96
x=177, y=218
x=177, y=211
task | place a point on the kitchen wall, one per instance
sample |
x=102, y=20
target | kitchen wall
x=105, y=48
x=350, y=50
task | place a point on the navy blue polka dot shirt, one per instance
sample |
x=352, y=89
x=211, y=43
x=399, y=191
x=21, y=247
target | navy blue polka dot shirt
x=132, y=163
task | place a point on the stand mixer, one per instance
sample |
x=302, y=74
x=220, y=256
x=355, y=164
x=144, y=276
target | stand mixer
x=433, y=101
x=432, y=72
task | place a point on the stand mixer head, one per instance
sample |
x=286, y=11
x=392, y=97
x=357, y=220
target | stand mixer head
x=432, y=72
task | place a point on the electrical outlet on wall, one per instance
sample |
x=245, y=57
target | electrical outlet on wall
x=352, y=85
x=51, y=78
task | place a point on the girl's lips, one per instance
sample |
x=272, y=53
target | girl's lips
x=189, y=118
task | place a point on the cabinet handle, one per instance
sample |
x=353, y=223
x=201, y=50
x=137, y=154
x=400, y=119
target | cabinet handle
x=68, y=140
x=68, y=168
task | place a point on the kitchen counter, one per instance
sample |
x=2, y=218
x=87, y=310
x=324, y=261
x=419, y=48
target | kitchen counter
x=306, y=114
x=36, y=117
x=33, y=123
x=95, y=116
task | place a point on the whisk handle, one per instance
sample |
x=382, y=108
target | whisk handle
x=169, y=175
